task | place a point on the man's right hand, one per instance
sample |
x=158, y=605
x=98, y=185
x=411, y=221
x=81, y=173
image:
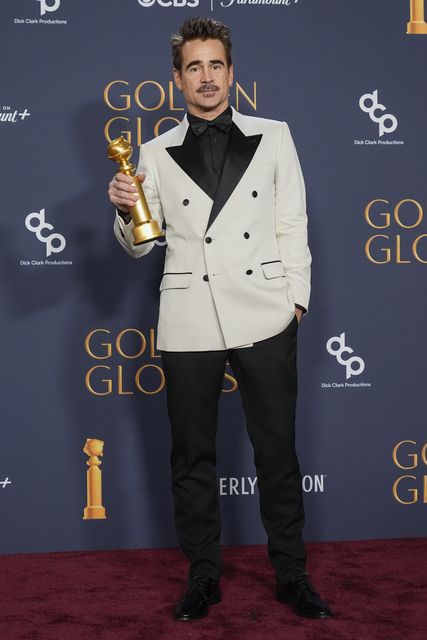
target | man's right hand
x=122, y=192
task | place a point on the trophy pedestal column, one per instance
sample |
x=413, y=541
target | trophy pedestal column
x=417, y=23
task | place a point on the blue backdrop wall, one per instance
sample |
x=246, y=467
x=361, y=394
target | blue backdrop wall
x=78, y=315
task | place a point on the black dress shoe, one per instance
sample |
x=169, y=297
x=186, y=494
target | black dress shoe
x=301, y=595
x=203, y=592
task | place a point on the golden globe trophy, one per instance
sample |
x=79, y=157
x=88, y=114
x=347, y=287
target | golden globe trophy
x=145, y=228
x=94, y=509
x=417, y=23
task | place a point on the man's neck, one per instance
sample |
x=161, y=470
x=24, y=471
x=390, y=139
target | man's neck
x=208, y=115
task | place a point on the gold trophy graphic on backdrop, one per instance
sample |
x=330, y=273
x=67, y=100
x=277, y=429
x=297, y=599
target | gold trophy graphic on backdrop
x=94, y=509
x=417, y=23
x=145, y=228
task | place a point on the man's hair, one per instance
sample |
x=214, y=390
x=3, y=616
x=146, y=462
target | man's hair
x=200, y=29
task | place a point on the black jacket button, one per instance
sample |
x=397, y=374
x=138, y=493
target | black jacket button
x=248, y=272
x=246, y=235
x=185, y=202
x=255, y=194
x=206, y=277
x=208, y=240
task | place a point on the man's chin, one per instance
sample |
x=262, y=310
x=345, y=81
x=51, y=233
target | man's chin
x=210, y=104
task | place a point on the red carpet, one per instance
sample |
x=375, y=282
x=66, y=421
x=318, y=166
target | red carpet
x=376, y=588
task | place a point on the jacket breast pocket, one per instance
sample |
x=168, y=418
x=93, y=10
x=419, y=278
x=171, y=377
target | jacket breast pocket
x=176, y=280
x=273, y=269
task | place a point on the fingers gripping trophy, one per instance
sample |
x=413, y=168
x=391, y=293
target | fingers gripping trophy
x=129, y=189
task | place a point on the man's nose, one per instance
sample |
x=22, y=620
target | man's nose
x=206, y=75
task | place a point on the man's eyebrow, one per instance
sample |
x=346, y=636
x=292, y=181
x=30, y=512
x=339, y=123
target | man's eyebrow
x=194, y=62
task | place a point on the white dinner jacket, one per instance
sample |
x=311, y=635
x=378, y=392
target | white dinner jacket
x=237, y=258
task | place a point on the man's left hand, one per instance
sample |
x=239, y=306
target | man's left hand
x=298, y=313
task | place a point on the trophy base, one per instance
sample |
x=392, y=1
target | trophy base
x=94, y=513
x=146, y=232
x=417, y=27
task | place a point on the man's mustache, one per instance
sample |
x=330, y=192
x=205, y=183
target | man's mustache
x=207, y=88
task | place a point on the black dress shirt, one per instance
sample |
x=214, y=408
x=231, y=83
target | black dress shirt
x=212, y=143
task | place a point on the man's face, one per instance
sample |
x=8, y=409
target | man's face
x=204, y=78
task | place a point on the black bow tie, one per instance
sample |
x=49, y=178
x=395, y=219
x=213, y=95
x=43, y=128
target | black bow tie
x=222, y=122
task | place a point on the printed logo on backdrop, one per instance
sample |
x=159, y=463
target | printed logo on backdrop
x=169, y=3
x=402, y=237
x=352, y=365
x=245, y=485
x=126, y=363
x=13, y=116
x=54, y=242
x=189, y=4
x=5, y=483
x=45, y=7
x=410, y=487
x=229, y=3
x=384, y=122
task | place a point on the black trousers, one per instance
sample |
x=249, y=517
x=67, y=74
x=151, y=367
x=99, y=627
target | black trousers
x=267, y=379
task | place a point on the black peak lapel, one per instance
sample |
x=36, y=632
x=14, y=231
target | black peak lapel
x=189, y=157
x=240, y=152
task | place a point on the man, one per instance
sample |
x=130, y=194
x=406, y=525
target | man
x=236, y=282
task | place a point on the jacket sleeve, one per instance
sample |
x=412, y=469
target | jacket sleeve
x=291, y=220
x=123, y=230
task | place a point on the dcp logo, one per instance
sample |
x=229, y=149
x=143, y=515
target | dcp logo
x=39, y=216
x=169, y=3
x=353, y=366
x=373, y=106
x=45, y=5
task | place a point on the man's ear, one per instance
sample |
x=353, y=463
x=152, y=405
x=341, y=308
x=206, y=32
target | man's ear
x=230, y=75
x=177, y=78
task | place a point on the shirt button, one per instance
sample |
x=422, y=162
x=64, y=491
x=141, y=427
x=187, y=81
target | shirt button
x=248, y=272
x=206, y=277
x=246, y=235
x=255, y=194
x=185, y=202
x=208, y=240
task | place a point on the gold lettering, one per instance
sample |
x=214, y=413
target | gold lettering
x=171, y=95
x=398, y=259
x=88, y=381
x=413, y=492
x=397, y=215
x=138, y=378
x=119, y=343
x=152, y=343
x=120, y=390
x=412, y=455
x=368, y=250
x=126, y=96
x=415, y=248
x=368, y=211
x=126, y=134
x=239, y=91
x=103, y=344
x=233, y=381
x=138, y=95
